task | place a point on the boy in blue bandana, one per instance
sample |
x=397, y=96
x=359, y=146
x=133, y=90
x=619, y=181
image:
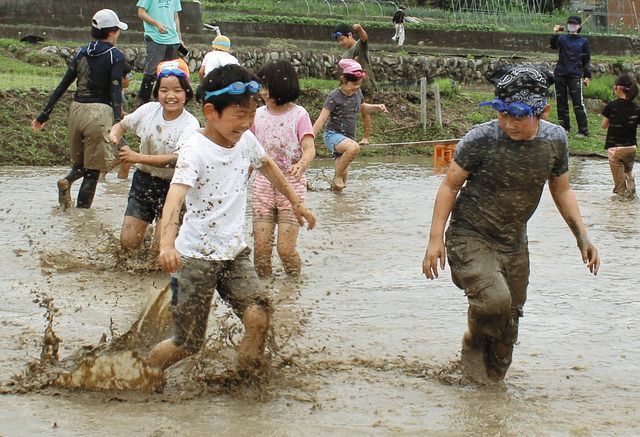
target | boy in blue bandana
x=505, y=164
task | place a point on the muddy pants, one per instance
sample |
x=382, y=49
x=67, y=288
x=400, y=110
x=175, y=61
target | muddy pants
x=495, y=284
x=621, y=160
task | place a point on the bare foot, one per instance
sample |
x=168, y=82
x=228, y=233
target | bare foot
x=364, y=141
x=337, y=184
x=64, y=194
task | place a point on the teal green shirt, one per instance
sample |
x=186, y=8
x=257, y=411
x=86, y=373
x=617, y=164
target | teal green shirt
x=163, y=11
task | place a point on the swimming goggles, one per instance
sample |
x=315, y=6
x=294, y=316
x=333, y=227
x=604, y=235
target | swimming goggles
x=171, y=72
x=516, y=109
x=337, y=35
x=235, y=89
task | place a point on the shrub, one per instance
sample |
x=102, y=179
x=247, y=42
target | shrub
x=600, y=88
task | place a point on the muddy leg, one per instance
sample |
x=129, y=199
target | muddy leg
x=132, y=233
x=366, y=124
x=250, y=349
x=472, y=355
x=263, y=246
x=166, y=354
x=349, y=150
x=287, y=238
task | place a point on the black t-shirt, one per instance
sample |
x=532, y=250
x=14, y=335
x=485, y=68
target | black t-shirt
x=505, y=182
x=624, y=116
x=398, y=17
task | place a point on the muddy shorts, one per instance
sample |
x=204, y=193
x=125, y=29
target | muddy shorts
x=494, y=282
x=271, y=205
x=147, y=196
x=193, y=286
x=89, y=146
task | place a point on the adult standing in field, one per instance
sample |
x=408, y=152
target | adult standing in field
x=358, y=50
x=97, y=70
x=162, y=37
x=398, y=22
x=572, y=70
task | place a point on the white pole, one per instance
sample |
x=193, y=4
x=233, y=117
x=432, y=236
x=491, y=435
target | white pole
x=423, y=103
x=438, y=107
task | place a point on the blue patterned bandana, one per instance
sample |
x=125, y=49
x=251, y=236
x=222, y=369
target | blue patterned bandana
x=521, y=91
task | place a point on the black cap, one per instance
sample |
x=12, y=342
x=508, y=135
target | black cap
x=574, y=19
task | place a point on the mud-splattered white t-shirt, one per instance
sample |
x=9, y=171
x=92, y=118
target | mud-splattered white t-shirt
x=157, y=135
x=213, y=227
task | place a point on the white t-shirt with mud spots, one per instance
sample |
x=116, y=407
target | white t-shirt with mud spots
x=213, y=227
x=157, y=135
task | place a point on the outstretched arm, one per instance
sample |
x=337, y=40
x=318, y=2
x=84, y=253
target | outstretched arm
x=371, y=108
x=169, y=256
x=273, y=173
x=445, y=199
x=362, y=35
x=567, y=204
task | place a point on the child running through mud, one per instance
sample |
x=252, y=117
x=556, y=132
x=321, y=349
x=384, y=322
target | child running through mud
x=505, y=164
x=159, y=125
x=284, y=129
x=621, y=118
x=210, y=252
x=340, y=115
x=97, y=70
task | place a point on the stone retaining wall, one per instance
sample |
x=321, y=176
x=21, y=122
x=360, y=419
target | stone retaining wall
x=390, y=67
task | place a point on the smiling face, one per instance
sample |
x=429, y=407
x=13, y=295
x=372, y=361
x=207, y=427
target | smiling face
x=226, y=128
x=350, y=88
x=264, y=95
x=171, y=96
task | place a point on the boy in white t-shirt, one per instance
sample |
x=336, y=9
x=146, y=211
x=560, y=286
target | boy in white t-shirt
x=218, y=56
x=210, y=252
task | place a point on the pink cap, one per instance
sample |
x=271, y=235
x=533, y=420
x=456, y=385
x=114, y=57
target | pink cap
x=349, y=66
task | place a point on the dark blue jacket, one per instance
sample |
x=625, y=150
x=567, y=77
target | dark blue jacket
x=98, y=68
x=574, y=56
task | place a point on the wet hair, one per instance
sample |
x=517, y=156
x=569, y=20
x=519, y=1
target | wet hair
x=281, y=79
x=184, y=84
x=344, y=29
x=102, y=33
x=629, y=86
x=222, y=77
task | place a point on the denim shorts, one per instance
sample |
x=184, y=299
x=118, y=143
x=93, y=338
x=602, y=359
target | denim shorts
x=332, y=139
x=193, y=287
x=147, y=196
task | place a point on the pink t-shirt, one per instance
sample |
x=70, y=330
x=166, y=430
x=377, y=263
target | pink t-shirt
x=280, y=134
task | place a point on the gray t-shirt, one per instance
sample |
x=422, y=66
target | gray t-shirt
x=505, y=182
x=344, y=112
x=360, y=53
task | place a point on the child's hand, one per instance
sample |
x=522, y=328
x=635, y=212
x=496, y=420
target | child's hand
x=356, y=27
x=435, y=253
x=170, y=259
x=302, y=213
x=36, y=125
x=589, y=255
x=113, y=138
x=162, y=28
x=298, y=169
x=128, y=155
x=382, y=108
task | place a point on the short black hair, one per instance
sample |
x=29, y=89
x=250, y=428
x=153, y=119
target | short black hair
x=281, y=79
x=222, y=77
x=184, y=83
x=629, y=85
x=343, y=29
x=102, y=33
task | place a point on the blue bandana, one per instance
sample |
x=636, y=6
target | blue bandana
x=516, y=109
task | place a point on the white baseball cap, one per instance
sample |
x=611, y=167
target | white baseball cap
x=106, y=18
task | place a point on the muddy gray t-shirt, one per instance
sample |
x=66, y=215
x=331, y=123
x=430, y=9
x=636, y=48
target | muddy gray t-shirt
x=344, y=112
x=505, y=182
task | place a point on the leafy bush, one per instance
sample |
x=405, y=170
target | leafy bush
x=447, y=87
x=600, y=88
x=44, y=59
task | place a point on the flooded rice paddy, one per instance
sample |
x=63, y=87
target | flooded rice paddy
x=362, y=344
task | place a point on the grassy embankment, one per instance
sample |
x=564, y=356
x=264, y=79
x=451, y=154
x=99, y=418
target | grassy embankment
x=25, y=87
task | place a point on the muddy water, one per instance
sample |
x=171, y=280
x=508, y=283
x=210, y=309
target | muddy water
x=362, y=344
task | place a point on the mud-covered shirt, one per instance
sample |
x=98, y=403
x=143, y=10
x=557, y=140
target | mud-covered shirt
x=624, y=116
x=505, y=182
x=344, y=112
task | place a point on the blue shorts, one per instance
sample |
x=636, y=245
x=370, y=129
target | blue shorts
x=332, y=139
x=147, y=196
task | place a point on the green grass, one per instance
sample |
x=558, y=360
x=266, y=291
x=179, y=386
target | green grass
x=319, y=84
x=600, y=88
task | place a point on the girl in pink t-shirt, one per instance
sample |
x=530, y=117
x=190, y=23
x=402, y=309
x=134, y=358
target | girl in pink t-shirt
x=285, y=131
